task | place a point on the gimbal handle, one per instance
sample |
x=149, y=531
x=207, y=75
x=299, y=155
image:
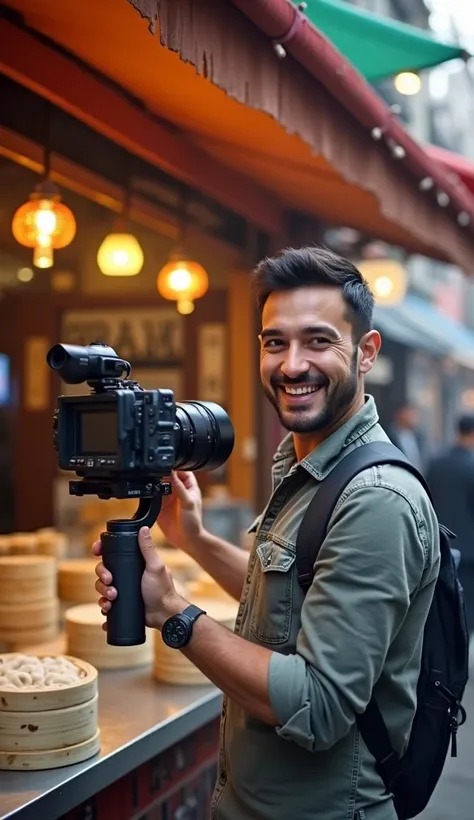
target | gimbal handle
x=122, y=556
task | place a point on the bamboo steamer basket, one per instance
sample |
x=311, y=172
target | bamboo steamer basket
x=29, y=616
x=170, y=666
x=51, y=758
x=14, y=640
x=23, y=543
x=86, y=639
x=47, y=726
x=27, y=578
x=29, y=608
x=52, y=542
x=5, y=544
x=36, y=731
x=76, y=580
x=23, y=624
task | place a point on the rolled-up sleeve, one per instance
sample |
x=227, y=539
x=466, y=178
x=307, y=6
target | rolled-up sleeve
x=370, y=564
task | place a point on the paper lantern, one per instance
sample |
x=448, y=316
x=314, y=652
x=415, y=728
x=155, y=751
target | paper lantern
x=44, y=220
x=120, y=255
x=182, y=280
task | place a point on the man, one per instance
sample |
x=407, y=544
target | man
x=451, y=480
x=297, y=670
x=405, y=434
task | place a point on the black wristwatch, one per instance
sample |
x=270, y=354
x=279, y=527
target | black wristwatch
x=177, y=630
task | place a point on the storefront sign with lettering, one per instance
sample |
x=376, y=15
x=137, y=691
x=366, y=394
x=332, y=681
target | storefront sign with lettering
x=141, y=336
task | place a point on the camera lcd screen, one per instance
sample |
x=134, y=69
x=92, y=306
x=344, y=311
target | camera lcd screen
x=98, y=433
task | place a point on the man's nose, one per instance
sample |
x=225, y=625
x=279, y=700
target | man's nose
x=295, y=362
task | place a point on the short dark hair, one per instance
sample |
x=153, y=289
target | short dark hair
x=314, y=266
x=466, y=425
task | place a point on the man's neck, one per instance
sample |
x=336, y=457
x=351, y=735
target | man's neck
x=306, y=443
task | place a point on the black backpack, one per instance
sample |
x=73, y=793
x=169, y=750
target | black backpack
x=445, y=657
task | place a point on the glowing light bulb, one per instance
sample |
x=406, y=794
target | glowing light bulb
x=120, y=255
x=383, y=286
x=45, y=220
x=407, y=83
x=180, y=279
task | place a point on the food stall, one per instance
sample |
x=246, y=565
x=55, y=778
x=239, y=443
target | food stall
x=90, y=730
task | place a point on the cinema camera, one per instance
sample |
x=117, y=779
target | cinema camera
x=122, y=441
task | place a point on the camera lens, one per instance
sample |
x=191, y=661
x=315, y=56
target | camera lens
x=57, y=357
x=204, y=436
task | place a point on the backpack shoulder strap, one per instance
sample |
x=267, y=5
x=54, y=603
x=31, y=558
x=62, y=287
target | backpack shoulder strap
x=311, y=535
x=312, y=531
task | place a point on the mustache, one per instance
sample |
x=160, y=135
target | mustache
x=301, y=381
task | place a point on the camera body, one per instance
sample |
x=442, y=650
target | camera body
x=123, y=433
x=121, y=440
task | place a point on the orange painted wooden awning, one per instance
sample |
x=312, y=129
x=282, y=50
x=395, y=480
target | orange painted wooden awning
x=211, y=103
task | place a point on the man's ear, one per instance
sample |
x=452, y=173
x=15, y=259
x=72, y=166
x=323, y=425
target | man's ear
x=369, y=347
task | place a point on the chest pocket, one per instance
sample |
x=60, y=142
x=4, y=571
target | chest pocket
x=272, y=606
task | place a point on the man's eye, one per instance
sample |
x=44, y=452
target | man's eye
x=273, y=343
x=319, y=341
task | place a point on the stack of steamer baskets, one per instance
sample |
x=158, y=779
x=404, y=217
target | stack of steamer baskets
x=46, y=541
x=76, y=581
x=48, y=712
x=29, y=606
x=86, y=639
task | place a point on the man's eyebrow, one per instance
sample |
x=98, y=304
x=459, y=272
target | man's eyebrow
x=312, y=330
x=271, y=331
x=321, y=330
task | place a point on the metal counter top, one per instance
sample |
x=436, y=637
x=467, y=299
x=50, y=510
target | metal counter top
x=138, y=719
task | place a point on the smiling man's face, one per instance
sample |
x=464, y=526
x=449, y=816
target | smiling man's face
x=309, y=364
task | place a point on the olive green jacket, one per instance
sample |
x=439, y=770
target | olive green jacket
x=359, y=628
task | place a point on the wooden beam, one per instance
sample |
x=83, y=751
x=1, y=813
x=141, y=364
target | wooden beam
x=88, y=184
x=242, y=370
x=58, y=78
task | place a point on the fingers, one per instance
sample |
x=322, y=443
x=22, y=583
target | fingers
x=186, y=477
x=152, y=560
x=102, y=585
x=104, y=574
x=107, y=592
x=96, y=548
x=182, y=489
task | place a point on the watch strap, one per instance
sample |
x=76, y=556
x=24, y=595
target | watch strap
x=193, y=612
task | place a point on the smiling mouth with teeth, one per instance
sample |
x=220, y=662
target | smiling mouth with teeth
x=301, y=391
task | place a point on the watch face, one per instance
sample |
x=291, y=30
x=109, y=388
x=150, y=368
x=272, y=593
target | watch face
x=176, y=631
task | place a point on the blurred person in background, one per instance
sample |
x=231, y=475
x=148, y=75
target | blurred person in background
x=406, y=435
x=450, y=476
